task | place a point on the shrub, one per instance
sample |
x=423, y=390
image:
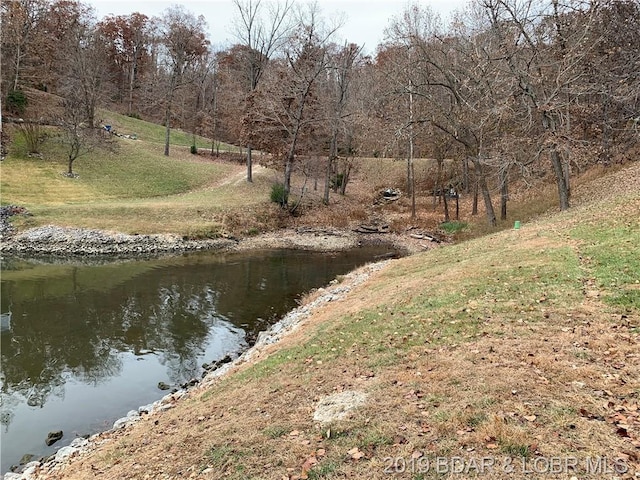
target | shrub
x=453, y=227
x=34, y=136
x=278, y=195
x=336, y=182
x=16, y=102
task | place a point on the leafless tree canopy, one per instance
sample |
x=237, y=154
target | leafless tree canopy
x=508, y=89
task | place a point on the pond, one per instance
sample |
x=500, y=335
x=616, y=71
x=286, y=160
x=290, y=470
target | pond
x=82, y=344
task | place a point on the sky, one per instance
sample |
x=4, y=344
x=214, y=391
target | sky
x=363, y=21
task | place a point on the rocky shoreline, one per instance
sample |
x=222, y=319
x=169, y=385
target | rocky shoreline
x=53, y=466
x=67, y=244
x=56, y=241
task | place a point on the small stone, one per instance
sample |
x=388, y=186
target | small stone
x=53, y=437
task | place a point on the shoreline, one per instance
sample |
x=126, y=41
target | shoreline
x=53, y=465
x=67, y=242
x=74, y=244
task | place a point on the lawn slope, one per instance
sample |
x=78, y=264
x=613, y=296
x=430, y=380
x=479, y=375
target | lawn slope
x=135, y=188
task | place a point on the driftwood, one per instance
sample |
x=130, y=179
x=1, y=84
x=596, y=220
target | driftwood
x=384, y=228
x=318, y=231
x=424, y=236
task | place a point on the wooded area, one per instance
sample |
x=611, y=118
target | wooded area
x=509, y=89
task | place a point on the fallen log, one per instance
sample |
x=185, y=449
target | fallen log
x=424, y=236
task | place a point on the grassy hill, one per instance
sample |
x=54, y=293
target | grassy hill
x=134, y=189
x=517, y=349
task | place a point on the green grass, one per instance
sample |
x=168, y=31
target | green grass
x=611, y=255
x=133, y=171
x=453, y=227
x=153, y=133
x=134, y=189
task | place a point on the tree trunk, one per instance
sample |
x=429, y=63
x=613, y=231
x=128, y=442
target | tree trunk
x=457, y=206
x=327, y=181
x=132, y=71
x=465, y=176
x=167, y=134
x=561, y=181
x=443, y=195
x=504, y=193
x=474, y=208
x=549, y=123
x=412, y=181
x=249, y=164
x=346, y=173
x=333, y=153
x=288, y=168
x=486, y=195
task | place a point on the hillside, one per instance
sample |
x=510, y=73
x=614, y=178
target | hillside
x=517, y=350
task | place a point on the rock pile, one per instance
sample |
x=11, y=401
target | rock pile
x=53, y=240
x=6, y=229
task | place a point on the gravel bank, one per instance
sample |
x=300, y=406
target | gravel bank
x=79, y=242
x=54, y=240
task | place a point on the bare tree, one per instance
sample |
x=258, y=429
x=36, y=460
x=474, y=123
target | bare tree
x=20, y=19
x=284, y=111
x=261, y=38
x=455, y=75
x=339, y=89
x=77, y=136
x=127, y=40
x=86, y=71
x=185, y=42
x=542, y=53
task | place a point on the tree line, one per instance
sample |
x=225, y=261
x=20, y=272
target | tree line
x=504, y=90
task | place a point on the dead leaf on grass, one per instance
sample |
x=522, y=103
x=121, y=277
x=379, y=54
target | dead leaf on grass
x=355, y=453
x=309, y=463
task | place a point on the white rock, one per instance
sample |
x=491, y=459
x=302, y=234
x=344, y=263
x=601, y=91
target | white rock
x=338, y=406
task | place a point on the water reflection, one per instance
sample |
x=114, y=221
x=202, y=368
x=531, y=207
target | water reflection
x=82, y=344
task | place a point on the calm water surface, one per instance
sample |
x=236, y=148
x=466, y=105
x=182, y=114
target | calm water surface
x=84, y=344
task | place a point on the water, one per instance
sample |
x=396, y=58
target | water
x=84, y=344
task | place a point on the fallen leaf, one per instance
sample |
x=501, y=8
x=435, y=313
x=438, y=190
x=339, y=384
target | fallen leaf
x=355, y=453
x=530, y=418
x=622, y=431
x=399, y=440
x=309, y=463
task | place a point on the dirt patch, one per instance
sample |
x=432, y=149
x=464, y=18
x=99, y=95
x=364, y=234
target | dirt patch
x=338, y=406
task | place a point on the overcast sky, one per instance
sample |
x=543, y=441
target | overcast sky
x=364, y=21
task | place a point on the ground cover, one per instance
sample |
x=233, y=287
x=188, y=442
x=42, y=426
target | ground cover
x=515, y=355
